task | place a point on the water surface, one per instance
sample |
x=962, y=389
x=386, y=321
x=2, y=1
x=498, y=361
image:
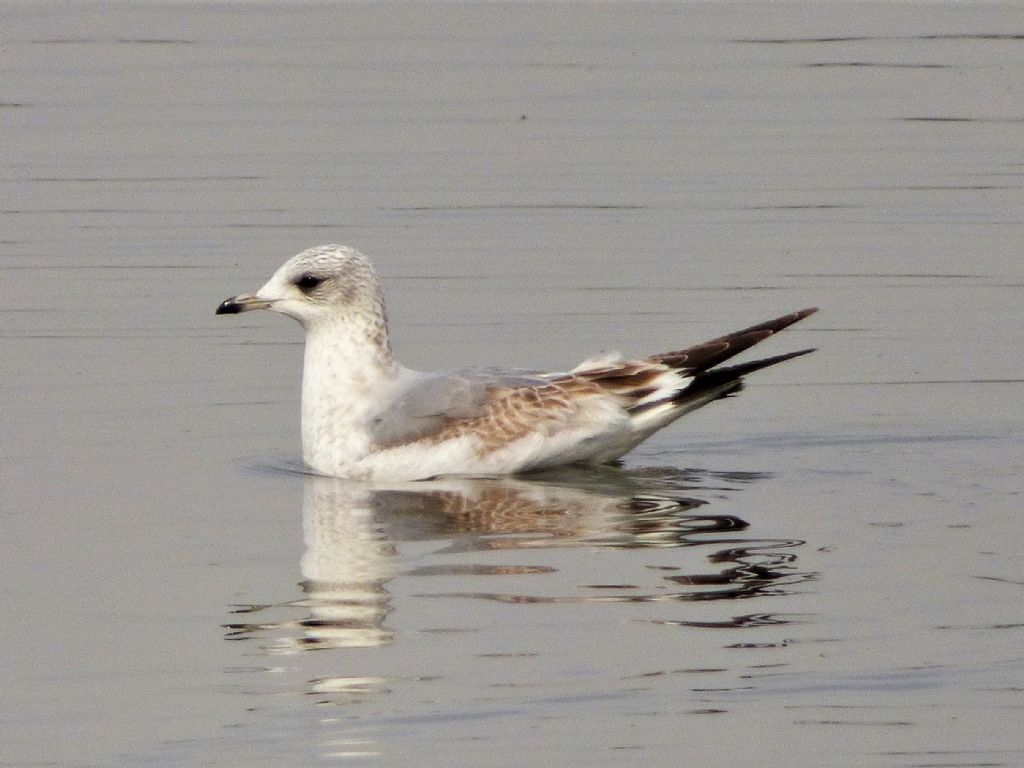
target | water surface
x=825, y=568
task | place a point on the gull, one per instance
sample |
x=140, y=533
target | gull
x=367, y=417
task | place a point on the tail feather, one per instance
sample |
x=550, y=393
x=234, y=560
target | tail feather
x=657, y=391
x=705, y=382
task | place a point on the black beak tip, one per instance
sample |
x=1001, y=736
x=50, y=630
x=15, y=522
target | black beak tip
x=228, y=307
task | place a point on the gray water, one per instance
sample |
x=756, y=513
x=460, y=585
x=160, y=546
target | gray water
x=826, y=570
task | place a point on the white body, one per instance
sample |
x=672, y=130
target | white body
x=365, y=416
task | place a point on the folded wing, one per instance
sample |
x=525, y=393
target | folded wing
x=612, y=404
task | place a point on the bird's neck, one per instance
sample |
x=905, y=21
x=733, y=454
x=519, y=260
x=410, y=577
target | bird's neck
x=346, y=363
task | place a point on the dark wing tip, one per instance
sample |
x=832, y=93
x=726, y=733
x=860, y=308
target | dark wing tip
x=742, y=369
x=791, y=355
x=709, y=354
x=731, y=376
x=773, y=326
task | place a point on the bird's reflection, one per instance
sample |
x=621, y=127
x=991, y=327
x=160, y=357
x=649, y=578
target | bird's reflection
x=353, y=533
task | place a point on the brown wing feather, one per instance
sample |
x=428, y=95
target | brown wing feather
x=514, y=412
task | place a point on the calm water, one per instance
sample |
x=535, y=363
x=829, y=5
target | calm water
x=826, y=570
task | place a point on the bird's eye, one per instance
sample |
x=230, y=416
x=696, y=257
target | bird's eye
x=307, y=282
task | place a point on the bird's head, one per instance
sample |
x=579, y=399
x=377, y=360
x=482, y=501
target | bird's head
x=318, y=286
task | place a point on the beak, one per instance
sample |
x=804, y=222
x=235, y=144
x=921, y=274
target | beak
x=241, y=303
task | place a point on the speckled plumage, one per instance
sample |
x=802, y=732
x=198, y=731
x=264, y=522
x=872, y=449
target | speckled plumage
x=365, y=416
